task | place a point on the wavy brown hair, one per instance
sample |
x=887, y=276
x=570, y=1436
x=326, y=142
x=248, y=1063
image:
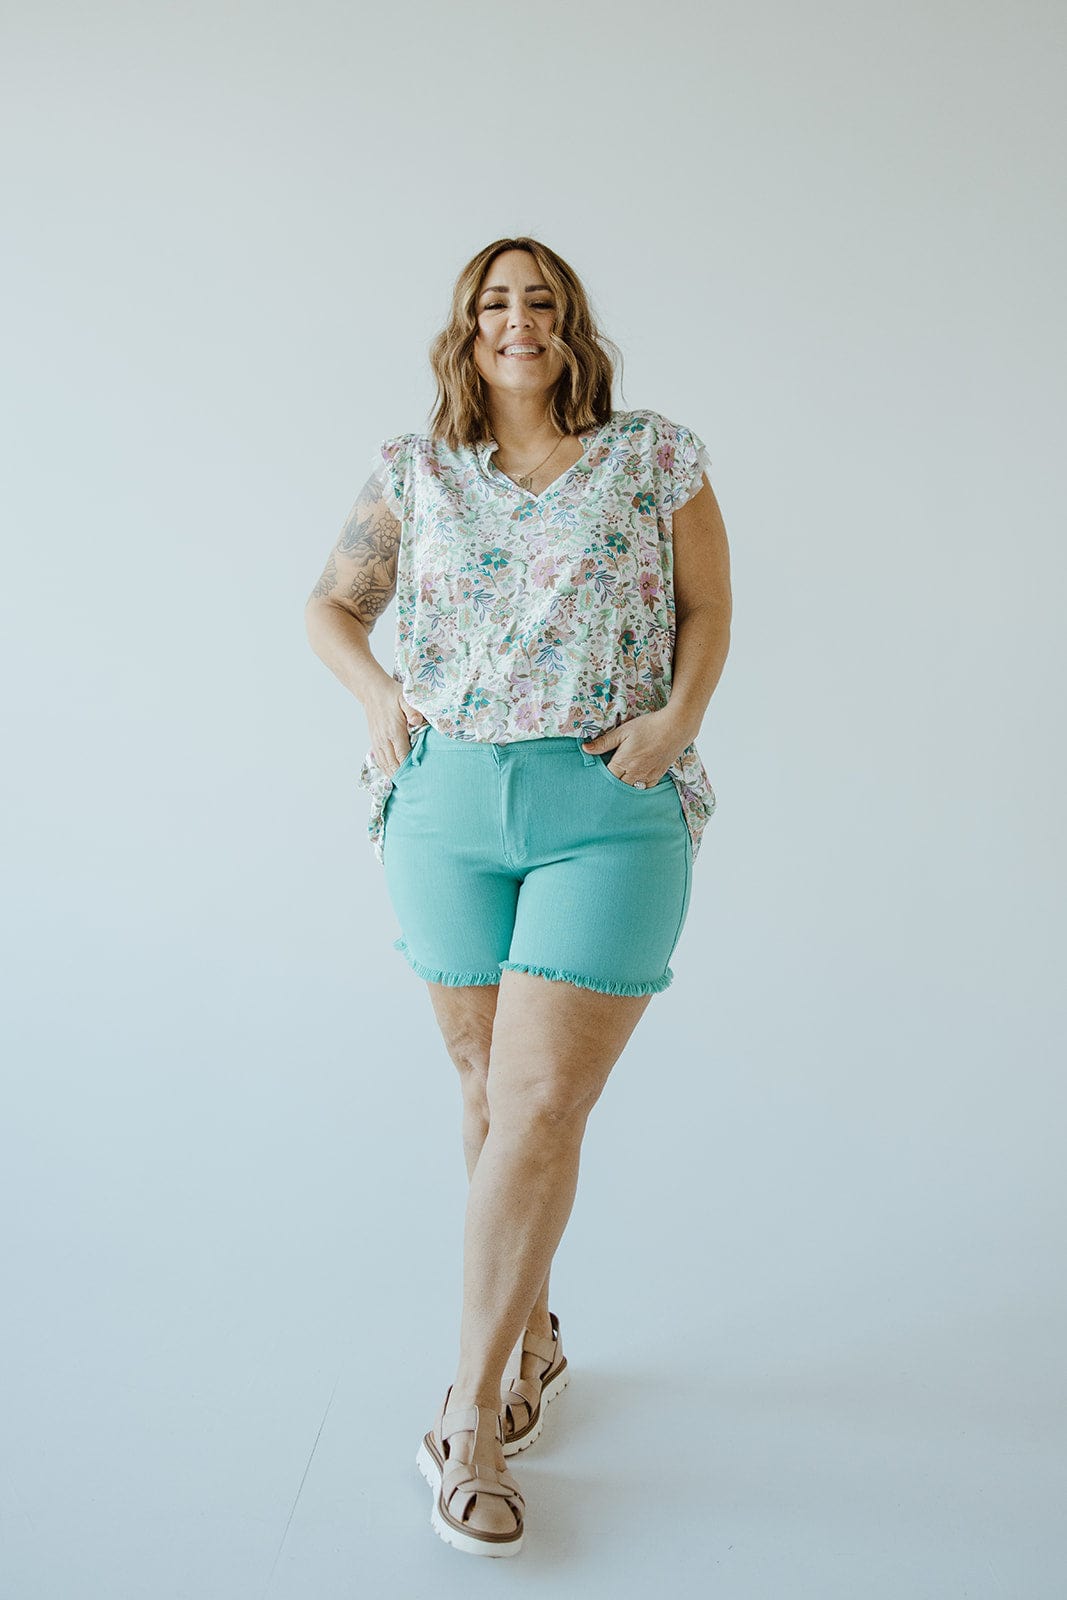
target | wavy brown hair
x=582, y=396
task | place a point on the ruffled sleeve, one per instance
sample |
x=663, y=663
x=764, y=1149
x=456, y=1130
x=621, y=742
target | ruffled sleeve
x=388, y=470
x=684, y=458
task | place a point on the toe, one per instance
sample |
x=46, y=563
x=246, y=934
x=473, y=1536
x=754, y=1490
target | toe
x=491, y=1514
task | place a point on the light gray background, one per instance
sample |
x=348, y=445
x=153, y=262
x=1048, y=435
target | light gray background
x=812, y=1290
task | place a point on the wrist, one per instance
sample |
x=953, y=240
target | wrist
x=381, y=687
x=684, y=720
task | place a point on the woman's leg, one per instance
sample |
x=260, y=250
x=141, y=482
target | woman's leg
x=465, y=1016
x=553, y=1046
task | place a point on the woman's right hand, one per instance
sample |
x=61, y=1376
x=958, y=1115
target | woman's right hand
x=390, y=719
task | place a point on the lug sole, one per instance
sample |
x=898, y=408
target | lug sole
x=468, y=1543
x=551, y=1389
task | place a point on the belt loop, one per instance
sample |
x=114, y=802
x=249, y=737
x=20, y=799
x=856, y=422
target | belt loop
x=589, y=757
x=418, y=741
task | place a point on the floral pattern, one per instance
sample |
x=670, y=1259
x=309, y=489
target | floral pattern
x=522, y=616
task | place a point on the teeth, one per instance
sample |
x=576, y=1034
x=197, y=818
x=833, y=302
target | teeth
x=521, y=349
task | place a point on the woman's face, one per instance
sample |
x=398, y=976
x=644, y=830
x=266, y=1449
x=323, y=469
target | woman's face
x=516, y=308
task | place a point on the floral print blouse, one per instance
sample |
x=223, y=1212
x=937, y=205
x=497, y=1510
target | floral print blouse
x=521, y=616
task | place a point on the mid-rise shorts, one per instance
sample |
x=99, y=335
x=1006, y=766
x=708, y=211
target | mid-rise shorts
x=531, y=856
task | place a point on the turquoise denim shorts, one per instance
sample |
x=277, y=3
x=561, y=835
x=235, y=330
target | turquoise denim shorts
x=532, y=857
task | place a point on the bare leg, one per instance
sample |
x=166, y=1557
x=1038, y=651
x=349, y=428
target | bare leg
x=465, y=1016
x=553, y=1046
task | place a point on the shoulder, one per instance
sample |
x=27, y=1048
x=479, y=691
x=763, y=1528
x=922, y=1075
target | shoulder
x=647, y=427
x=673, y=456
x=671, y=442
x=400, y=460
x=636, y=425
x=424, y=453
x=398, y=446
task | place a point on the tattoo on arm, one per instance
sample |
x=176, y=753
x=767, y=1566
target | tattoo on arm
x=328, y=582
x=360, y=574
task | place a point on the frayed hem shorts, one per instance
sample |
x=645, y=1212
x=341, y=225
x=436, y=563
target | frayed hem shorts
x=532, y=857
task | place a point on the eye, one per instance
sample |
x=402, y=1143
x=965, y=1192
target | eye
x=538, y=305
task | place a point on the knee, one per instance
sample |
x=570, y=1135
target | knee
x=473, y=1068
x=545, y=1110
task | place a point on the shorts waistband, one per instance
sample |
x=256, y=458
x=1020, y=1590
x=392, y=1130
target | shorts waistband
x=512, y=750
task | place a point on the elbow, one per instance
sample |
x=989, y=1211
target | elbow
x=717, y=613
x=320, y=618
x=313, y=620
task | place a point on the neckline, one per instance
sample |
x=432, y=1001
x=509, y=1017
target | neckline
x=588, y=436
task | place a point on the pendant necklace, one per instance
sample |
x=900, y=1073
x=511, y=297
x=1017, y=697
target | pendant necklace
x=527, y=478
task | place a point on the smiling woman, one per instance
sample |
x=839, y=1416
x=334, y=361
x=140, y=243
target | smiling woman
x=537, y=799
x=532, y=297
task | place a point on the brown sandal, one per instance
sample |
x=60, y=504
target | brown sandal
x=526, y=1399
x=457, y=1484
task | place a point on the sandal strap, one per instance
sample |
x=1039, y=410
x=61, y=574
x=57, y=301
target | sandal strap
x=527, y=1392
x=463, y=1481
x=459, y=1495
x=544, y=1349
x=476, y=1477
x=458, y=1419
x=469, y=1419
x=528, y=1389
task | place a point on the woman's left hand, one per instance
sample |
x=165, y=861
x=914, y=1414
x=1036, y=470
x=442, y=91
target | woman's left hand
x=645, y=746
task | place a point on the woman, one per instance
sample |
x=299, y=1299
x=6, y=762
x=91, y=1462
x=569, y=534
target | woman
x=563, y=617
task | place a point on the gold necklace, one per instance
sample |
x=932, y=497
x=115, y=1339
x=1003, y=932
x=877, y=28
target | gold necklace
x=527, y=478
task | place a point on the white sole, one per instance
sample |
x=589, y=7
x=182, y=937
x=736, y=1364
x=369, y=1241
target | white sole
x=444, y=1530
x=548, y=1394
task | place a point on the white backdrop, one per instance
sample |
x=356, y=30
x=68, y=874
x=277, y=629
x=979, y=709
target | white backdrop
x=812, y=1289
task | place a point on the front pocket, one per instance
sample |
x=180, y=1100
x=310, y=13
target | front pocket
x=406, y=762
x=417, y=734
x=621, y=783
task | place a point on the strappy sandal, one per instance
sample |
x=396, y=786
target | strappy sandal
x=526, y=1399
x=457, y=1484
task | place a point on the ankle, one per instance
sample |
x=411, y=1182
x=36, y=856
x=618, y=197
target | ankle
x=473, y=1395
x=539, y=1323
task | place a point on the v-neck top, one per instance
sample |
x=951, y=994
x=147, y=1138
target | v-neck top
x=486, y=451
x=524, y=616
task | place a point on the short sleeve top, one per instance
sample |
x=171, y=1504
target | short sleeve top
x=522, y=616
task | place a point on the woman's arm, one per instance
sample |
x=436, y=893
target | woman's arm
x=356, y=585
x=703, y=608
